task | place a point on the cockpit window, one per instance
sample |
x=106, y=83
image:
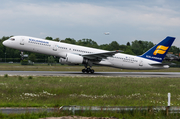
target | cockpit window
x=12, y=39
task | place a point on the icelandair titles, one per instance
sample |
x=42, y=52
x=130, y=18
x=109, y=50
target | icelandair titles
x=151, y=57
x=39, y=42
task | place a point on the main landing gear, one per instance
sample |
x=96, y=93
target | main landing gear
x=88, y=69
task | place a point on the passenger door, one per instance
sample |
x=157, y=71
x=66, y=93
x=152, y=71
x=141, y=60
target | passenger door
x=141, y=63
x=22, y=41
x=54, y=47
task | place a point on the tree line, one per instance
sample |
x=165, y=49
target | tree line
x=136, y=47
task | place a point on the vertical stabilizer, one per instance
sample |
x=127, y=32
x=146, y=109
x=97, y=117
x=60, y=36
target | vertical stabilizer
x=158, y=52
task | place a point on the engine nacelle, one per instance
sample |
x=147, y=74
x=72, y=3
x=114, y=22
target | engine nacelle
x=72, y=59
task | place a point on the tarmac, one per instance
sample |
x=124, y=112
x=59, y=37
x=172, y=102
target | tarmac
x=75, y=109
x=96, y=74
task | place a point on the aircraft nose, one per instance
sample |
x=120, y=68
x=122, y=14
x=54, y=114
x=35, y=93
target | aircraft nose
x=5, y=43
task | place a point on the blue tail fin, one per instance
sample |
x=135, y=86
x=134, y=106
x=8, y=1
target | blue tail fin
x=158, y=52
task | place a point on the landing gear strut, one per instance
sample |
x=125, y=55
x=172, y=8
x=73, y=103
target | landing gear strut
x=88, y=69
x=22, y=55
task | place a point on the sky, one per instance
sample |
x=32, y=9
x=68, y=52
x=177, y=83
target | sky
x=125, y=20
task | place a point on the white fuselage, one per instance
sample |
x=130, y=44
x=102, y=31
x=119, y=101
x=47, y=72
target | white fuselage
x=59, y=49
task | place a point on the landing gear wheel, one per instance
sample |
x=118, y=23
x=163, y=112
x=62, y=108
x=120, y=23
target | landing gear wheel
x=88, y=70
x=92, y=71
x=83, y=70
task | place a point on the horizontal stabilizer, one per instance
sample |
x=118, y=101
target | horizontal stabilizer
x=162, y=64
x=158, y=64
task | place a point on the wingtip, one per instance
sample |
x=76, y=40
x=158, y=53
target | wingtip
x=119, y=51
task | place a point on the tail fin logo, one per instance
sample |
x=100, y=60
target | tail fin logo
x=160, y=50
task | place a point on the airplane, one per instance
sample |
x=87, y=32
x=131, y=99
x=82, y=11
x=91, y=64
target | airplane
x=106, y=33
x=74, y=54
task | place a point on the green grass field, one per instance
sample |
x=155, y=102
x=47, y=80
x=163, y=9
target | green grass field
x=30, y=91
x=17, y=91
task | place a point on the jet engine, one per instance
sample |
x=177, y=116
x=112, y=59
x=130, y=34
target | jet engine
x=72, y=59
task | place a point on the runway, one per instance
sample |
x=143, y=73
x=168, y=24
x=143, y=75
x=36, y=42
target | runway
x=96, y=74
x=73, y=109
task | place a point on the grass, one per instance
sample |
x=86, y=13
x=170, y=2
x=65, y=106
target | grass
x=59, y=67
x=31, y=91
x=18, y=91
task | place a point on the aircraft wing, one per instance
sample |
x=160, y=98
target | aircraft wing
x=102, y=55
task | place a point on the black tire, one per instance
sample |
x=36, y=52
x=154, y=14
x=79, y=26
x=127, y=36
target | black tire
x=83, y=70
x=92, y=71
x=88, y=70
